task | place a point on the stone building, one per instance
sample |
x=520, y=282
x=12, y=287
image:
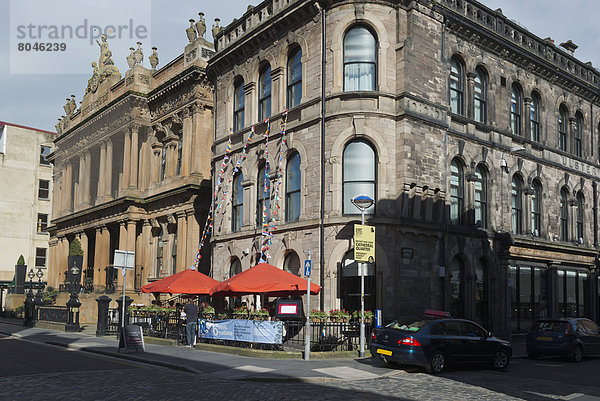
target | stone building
x=25, y=199
x=477, y=139
x=132, y=166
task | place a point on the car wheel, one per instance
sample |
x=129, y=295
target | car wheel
x=501, y=359
x=437, y=363
x=577, y=354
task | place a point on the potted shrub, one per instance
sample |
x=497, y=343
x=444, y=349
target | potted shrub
x=318, y=316
x=261, y=314
x=208, y=312
x=241, y=312
x=339, y=315
x=368, y=316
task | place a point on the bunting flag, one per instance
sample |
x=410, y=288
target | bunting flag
x=264, y=252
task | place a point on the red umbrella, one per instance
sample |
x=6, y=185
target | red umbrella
x=186, y=282
x=264, y=279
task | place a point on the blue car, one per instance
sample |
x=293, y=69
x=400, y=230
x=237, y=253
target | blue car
x=436, y=344
x=572, y=338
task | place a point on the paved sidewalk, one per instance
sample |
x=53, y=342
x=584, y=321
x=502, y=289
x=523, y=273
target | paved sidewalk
x=213, y=364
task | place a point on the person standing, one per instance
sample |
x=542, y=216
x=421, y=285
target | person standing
x=191, y=312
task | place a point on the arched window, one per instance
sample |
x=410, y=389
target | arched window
x=580, y=216
x=564, y=214
x=457, y=191
x=481, y=197
x=160, y=249
x=263, y=199
x=237, y=203
x=480, y=95
x=360, y=60
x=294, y=79
x=358, y=174
x=291, y=263
x=292, y=188
x=515, y=109
x=349, y=284
x=239, y=100
x=534, y=117
x=536, y=208
x=264, y=93
x=235, y=267
x=456, y=288
x=516, y=196
x=457, y=85
x=578, y=134
x=563, y=122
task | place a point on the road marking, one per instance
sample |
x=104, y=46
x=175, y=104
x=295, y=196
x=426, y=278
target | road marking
x=344, y=372
x=568, y=397
x=548, y=364
x=253, y=369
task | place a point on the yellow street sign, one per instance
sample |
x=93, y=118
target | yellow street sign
x=364, y=243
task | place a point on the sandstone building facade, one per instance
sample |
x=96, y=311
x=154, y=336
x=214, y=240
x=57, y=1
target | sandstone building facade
x=477, y=139
x=25, y=199
x=132, y=167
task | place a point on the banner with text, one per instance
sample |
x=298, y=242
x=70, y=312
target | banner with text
x=364, y=243
x=252, y=331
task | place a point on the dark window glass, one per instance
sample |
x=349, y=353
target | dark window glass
x=291, y=263
x=160, y=248
x=174, y=254
x=294, y=79
x=457, y=79
x=42, y=222
x=456, y=290
x=264, y=94
x=44, y=189
x=237, y=206
x=578, y=135
x=536, y=209
x=515, y=109
x=163, y=163
x=359, y=177
x=562, y=128
x=44, y=152
x=235, y=267
x=534, y=118
x=517, y=204
x=263, y=190
x=292, y=188
x=564, y=214
x=457, y=190
x=579, y=214
x=179, y=156
x=360, y=60
x=239, y=99
x=480, y=96
x=480, y=197
x=40, y=257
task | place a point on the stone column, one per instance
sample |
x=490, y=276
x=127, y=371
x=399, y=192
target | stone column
x=133, y=177
x=88, y=173
x=572, y=220
x=122, y=246
x=81, y=182
x=278, y=95
x=193, y=237
x=249, y=207
x=155, y=163
x=126, y=161
x=101, y=255
x=131, y=236
x=470, y=178
x=64, y=257
x=528, y=192
x=101, y=172
x=250, y=104
x=108, y=170
x=171, y=167
x=67, y=185
x=469, y=94
x=83, y=240
x=197, y=115
x=181, y=242
x=145, y=250
x=53, y=270
x=527, y=118
x=187, y=135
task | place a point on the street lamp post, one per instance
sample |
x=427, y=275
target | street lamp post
x=30, y=302
x=73, y=303
x=38, y=296
x=362, y=202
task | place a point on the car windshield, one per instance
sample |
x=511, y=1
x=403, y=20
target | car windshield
x=550, y=327
x=410, y=326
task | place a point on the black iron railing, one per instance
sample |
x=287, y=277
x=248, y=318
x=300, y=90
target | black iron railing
x=156, y=324
x=326, y=336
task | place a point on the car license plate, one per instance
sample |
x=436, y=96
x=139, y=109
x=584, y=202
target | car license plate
x=384, y=352
x=544, y=338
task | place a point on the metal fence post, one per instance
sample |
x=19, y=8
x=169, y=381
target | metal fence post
x=102, y=325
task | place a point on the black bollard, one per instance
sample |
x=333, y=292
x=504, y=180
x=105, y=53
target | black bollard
x=102, y=325
x=128, y=302
x=29, y=310
x=73, y=305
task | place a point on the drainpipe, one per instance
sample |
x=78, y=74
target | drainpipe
x=322, y=207
x=595, y=212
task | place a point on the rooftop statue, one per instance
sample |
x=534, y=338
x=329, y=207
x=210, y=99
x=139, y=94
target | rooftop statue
x=104, y=68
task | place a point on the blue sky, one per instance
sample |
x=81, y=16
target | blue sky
x=37, y=100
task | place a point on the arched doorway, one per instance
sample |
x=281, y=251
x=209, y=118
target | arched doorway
x=349, y=284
